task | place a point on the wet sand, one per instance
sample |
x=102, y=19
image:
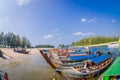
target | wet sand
x=25, y=66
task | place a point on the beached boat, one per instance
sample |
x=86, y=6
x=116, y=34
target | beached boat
x=90, y=68
x=45, y=56
x=72, y=58
x=23, y=51
x=113, y=73
x=72, y=52
x=93, y=66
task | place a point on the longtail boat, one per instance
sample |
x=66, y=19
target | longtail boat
x=71, y=52
x=23, y=51
x=90, y=68
x=45, y=56
x=72, y=59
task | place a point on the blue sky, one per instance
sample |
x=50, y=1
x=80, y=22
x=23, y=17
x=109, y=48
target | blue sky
x=60, y=21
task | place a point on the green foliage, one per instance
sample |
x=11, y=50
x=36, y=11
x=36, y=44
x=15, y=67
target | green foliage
x=94, y=40
x=12, y=40
x=23, y=42
x=44, y=46
x=62, y=46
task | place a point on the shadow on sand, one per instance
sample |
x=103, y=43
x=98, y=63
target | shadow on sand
x=3, y=57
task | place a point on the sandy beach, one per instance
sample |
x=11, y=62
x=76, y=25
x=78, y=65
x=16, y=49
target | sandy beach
x=12, y=56
x=25, y=66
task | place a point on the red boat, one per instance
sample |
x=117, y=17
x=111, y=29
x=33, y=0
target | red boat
x=3, y=75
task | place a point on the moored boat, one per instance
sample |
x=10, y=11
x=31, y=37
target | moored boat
x=45, y=56
x=91, y=68
x=72, y=58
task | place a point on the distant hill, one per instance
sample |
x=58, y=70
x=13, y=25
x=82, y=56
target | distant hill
x=95, y=40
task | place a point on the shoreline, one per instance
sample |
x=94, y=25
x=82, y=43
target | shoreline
x=102, y=44
x=20, y=66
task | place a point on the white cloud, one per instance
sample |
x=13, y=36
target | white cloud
x=23, y=2
x=77, y=33
x=113, y=20
x=48, y=36
x=84, y=20
x=83, y=34
x=90, y=33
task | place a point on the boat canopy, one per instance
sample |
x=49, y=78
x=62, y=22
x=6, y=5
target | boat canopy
x=99, y=59
x=76, y=58
x=94, y=49
x=114, y=69
x=79, y=51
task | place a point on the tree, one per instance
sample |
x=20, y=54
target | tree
x=12, y=40
x=95, y=40
x=18, y=41
x=28, y=44
x=24, y=42
x=62, y=46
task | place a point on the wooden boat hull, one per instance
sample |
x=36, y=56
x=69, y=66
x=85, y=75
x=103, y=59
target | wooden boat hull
x=49, y=61
x=75, y=74
x=23, y=52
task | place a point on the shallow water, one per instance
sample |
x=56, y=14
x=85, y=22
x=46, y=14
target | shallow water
x=32, y=68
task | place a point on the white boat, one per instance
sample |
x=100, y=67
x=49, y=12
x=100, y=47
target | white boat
x=113, y=45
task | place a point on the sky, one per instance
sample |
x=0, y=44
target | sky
x=57, y=22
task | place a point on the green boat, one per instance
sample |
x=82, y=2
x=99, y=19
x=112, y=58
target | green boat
x=113, y=73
